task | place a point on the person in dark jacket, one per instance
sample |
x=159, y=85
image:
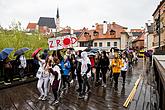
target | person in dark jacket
x=78, y=72
x=56, y=82
x=73, y=63
x=104, y=62
x=8, y=71
x=97, y=66
x=45, y=54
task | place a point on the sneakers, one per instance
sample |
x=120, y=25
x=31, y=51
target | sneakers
x=56, y=102
x=81, y=96
x=7, y=83
x=44, y=98
x=104, y=85
x=71, y=81
x=40, y=97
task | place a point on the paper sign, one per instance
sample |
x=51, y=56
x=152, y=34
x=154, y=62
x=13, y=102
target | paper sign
x=67, y=41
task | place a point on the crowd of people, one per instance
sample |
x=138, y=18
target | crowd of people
x=57, y=72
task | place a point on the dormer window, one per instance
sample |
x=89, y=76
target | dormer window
x=86, y=33
x=95, y=33
x=112, y=32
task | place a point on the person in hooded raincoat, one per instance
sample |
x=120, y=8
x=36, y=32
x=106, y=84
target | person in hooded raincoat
x=116, y=68
x=85, y=73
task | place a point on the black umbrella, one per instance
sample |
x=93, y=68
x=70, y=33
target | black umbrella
x=21, y=51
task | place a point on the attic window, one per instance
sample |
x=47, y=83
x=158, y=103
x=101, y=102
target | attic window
x=86, y=33
x=112, y=32
x=95, y=33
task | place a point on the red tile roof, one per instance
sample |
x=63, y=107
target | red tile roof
x=99, y=28
x=31, y=26
x=140, y=38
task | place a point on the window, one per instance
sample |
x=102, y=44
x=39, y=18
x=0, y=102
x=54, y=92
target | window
x=115, y=44
x=100, y=44
x=95, y=44
x=108, y=44
x=95, y=33
x=112, y=32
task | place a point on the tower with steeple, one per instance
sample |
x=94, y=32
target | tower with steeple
x=57, y=21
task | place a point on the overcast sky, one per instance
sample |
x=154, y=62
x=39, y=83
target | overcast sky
x=79, y=13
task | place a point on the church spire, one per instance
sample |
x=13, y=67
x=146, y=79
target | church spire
x=57, y=21
x=57, y=16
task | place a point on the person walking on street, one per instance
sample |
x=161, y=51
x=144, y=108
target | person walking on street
x=73, y=63
x=104, y=67
x=116, y=68
x=65, y=65
x=43, y=78
x=56, y=82
x=97, y=67
x=124, y=69
x=78, y=72
x=85, y=73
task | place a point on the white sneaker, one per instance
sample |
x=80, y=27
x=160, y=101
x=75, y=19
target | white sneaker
x=105, y=85
x=56, y=102
x=40, y=97
x=44, y=98
x=71, y=81
x=7, y=83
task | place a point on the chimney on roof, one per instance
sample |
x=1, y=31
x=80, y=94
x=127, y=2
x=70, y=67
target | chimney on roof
x=97, y=26
x=113, y=23
x=104, y=27
x=149, y=23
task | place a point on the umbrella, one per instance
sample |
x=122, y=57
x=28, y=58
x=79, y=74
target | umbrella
x=21, y=51
x=90, y=54
x=36, y=52
x=5, y=52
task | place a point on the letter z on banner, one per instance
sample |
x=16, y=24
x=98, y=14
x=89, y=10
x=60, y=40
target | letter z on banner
x=54, y=44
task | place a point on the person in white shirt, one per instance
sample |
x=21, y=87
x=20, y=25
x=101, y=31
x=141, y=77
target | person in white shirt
x=124, y=69
x=85, y=73
x=43, y=78
x=21, y=67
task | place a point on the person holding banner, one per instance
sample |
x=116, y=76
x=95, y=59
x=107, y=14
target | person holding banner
x=56, y=82
x=44, y=79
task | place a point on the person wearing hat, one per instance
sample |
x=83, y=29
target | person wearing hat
x=116, y=67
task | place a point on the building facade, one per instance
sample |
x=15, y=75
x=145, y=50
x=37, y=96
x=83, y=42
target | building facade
x=149, y=36
x=105, y=35
x=159, y=26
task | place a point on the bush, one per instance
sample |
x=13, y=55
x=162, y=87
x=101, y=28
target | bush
x=18, y=39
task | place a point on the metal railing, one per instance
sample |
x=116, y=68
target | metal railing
x=29, y=70
x=160, y=80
